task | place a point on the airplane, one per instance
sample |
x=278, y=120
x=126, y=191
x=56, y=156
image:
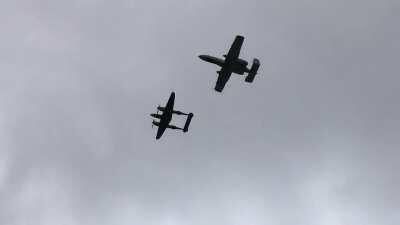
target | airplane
x=232, y=64
x=166, y=117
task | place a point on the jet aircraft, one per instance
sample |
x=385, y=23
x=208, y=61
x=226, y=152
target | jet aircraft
x=232, y=64
x=166, y=117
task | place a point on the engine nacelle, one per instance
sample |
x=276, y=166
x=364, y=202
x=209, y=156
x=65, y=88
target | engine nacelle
x=242, y=62
x=155, y=123
x=240, y=66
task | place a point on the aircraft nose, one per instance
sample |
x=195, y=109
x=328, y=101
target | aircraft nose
x=203, y=57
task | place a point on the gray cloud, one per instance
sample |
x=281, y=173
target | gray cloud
x=312, y=141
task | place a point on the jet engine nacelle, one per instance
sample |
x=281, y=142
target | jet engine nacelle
x=161, y=108
x=242, y=62
x=240, y=66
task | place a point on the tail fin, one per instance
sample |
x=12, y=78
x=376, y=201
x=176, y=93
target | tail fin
x=188, y=120
x=253, y=71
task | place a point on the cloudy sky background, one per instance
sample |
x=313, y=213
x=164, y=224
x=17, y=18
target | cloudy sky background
x=313, y=141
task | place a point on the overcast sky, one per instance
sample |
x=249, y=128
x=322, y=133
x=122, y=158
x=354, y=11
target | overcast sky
x=313, y=141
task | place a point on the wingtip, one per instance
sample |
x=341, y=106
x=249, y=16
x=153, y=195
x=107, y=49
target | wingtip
x=218, y=90
x=240, y=37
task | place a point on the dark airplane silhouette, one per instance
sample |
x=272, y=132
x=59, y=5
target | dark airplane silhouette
x=232, y=64
x=166, y=117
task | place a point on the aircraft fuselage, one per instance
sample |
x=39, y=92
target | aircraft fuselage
x=238, y=66
x=166, y=118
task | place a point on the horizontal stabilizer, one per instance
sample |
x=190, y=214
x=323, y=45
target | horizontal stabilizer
x=188, y=120
x=253, y=71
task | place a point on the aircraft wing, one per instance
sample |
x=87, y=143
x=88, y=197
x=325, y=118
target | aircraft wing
x=160, y=130
x=234, y=51
x=166, y=116
x=223, y=77
x=170, y=104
